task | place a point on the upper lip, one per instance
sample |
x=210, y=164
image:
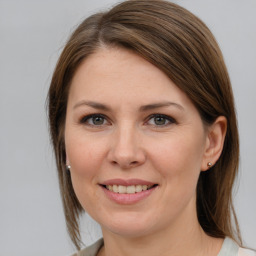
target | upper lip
x=128, y=182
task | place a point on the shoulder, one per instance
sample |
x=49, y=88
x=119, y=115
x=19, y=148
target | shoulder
x=91, y=250
x=231, y=248
x=246, y=252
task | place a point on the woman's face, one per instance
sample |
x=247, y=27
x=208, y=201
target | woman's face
x=135, y=144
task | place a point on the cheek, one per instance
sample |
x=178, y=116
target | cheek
x=179, y=164
x=84, y=155
x=179, y=159
x=85, y=160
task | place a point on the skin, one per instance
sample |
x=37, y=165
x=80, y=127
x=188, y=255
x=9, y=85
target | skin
x=128, y=142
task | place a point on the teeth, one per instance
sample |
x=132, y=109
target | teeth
x=138, y=188
x=128, y=189
x=110, y=188
x=144, y=187
x=115, y=189
x=122, y=189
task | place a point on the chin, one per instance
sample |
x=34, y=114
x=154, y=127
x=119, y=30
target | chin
x=131, y=226
x=131, y=231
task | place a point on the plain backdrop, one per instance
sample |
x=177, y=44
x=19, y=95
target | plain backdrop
x=32, y=34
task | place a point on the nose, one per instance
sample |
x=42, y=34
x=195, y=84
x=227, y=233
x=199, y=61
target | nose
x=126, y=149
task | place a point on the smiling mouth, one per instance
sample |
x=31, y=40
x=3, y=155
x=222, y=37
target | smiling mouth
x=133, y=189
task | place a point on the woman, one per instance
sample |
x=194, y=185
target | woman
x=144, y=130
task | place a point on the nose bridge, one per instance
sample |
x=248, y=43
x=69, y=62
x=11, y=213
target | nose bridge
x=125, y=140
x=126, y=150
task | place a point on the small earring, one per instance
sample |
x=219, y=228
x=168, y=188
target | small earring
x=209, y=164
x=68, y=167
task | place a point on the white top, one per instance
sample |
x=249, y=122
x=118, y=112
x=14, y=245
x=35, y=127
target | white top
x=229, y=248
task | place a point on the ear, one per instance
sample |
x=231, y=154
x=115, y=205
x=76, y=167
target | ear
x=214, y=142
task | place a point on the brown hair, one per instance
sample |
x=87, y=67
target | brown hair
x=180, y=45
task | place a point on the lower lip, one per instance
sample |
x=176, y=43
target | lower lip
x=127, y=199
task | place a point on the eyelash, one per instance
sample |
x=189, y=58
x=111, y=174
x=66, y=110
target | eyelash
x=168, y=119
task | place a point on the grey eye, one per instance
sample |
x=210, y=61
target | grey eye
x=94, y=120
x=160, y=120
x=97, y=120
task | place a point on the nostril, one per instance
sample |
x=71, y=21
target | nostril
x=125, y=165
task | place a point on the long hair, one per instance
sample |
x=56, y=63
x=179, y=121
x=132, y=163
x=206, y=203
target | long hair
x=181, y=45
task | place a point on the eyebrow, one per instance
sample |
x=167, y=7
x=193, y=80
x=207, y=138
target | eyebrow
x=143, y=108
x=92, y=104
x=160, y=105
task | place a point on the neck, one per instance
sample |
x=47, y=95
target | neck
x=186, y=238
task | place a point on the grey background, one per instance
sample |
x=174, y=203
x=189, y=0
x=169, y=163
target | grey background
x=32, y=34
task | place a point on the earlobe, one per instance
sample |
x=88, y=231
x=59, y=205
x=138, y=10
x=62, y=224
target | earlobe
x=68, y=167
x=215, y=140
x=67, y=161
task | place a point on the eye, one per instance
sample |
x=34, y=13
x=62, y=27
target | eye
x=94, y=120
x=160, y=120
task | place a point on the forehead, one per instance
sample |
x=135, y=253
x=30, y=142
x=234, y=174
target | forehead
x=121, y=75
x=116, y=63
